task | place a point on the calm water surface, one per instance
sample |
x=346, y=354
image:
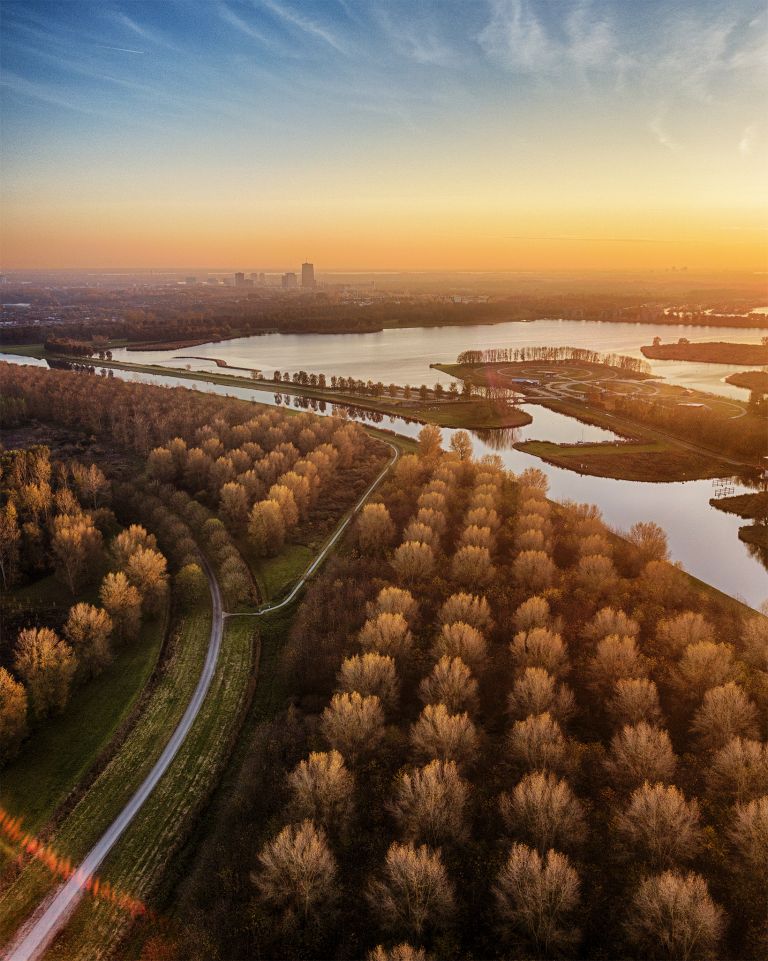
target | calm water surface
x=404, y=356
x=704, y=539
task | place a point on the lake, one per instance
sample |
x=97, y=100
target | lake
x=403, y=356
x=704, y=539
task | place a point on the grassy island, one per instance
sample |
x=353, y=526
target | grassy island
x=716, y=352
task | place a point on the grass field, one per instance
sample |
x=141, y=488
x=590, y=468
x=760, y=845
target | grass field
x=62, y=749
x=107, y=795
x=627, y=461
x=274, y=574
x=141, y=856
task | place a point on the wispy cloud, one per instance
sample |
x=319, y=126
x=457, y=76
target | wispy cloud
x=136, y=28
x=310, y=27
x=45, y=93
x=749, y=139
x=659, y=131
x=229, y=16
x=517, y=38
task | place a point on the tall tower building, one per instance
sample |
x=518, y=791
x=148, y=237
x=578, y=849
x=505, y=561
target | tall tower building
x=307, y=275
x=239, y=279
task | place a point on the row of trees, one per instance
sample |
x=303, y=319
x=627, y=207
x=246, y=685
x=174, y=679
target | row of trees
x=556, y=748
x=554, y=354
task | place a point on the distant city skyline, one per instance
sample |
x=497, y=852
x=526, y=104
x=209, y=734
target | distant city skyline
x=443, y=135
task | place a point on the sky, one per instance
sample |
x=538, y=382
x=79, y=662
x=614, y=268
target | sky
x=380, y=134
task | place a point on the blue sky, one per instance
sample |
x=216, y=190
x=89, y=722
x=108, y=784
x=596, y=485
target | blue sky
x=385, y=105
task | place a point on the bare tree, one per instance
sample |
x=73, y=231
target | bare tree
x=297, y=872
x=461, y=445
x=400, y=952
x=266, y=528
x=439, y=734
x=615, y=658
x=703, y=665
x=534, y=570
x=543, y=811
x=472, y=566
x=88, y=629
x=13, y=715
x=470, y=608
x=640, y=752
x=450, y=683
x=536, y=898
x=122, y=602
x=147, y=571
x=537, y=743
x=659, y=826
x=748, y=835
x=596, y=574
x=413, y=561
x=47, y=665
x=353, y=724
x=322, y=790
x=532, y=613
x=395, y=600
x=650, y=540
x=540, y=647
x=128, y=542
x=594, y=545
x=672, y=916
x=738, y=771
x=535, y=692
x=755, y=640
x=463, y=641
x=413, y=893
x=607, y=621
x=429, y=803
x=532, y=540
x=233, y=503
x=726, y=712
x=430, y=442
x=423, y=533
x=76, y=545
x=375, y=529
x=483, y=517
x=432, y=499
x=386, y=634
x=371, y=674
x=674, y=634
x=634, y=700
x=474, y=536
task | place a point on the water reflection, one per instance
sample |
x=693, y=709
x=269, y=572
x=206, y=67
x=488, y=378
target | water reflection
x=703, y=538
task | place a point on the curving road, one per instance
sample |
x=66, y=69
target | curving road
x=38, y=932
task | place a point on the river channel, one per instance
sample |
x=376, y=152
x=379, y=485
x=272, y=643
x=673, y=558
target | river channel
x=704, y=539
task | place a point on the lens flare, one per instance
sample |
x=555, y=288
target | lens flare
x=27, y=845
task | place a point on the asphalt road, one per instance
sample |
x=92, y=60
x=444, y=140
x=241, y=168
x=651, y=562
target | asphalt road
x=38, y=932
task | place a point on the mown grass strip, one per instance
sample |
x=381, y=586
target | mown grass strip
x=109, y=793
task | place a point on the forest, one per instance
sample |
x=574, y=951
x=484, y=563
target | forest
x=500, y=728
x=506, y=732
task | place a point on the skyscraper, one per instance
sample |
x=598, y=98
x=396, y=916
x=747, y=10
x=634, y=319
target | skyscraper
x=307, y=275
x=289, y=280
x=239, y=279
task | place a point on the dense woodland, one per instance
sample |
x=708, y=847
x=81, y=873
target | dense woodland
x=223, y=484
x=507, y=733
x=506, y=730
x=55, y=519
